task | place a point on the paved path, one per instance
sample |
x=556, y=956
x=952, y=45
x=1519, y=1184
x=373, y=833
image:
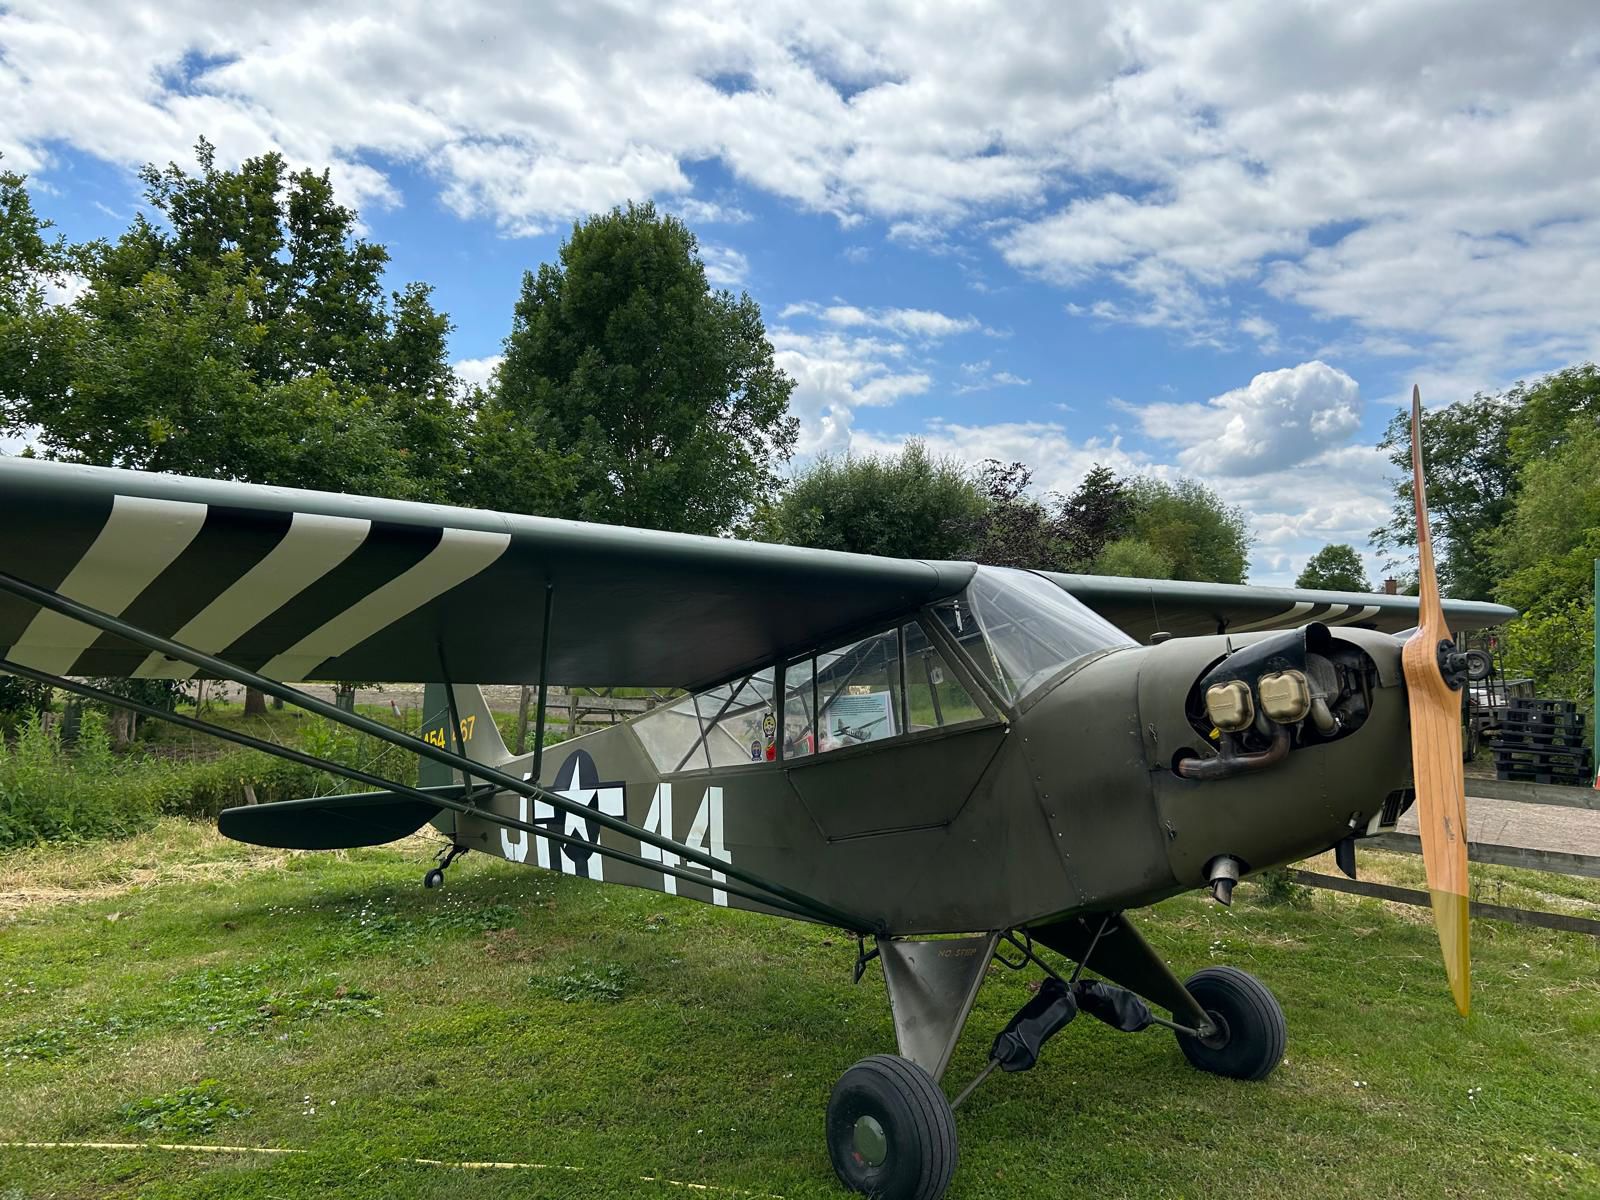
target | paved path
x=1536, y=826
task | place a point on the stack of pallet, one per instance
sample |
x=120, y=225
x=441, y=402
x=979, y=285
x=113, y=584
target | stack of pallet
x=1541, y=741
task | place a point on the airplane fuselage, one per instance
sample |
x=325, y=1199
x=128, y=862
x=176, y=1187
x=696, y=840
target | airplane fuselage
x=1066, y=802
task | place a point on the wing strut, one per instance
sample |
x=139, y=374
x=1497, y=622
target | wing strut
x=438, y=797
x=57, y=603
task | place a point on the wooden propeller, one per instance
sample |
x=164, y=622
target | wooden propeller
x=1436, y=750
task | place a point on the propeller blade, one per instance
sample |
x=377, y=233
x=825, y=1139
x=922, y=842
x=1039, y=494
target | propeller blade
x=1436, y=750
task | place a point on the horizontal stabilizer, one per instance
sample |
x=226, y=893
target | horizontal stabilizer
x=332, y=822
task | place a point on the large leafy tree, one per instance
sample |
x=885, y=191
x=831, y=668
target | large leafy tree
x=905, y=505
x=243, y=331
x=1336, y=567
x=1544, y=553
x=1191, y=528
x=1470, y=478
x=1051, y=532
x=30, y=262
x=1017, y=529
x=631, y=392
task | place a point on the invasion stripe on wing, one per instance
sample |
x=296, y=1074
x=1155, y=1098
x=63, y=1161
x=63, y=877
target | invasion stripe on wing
x=1361, y=614
x=139, y=540
x=460, y=554
x=1287, y=615
x=312, y=547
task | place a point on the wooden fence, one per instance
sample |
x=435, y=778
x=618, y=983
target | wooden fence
x=1559, y=861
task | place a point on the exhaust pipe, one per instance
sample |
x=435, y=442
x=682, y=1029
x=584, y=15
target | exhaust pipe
x=1222, y=872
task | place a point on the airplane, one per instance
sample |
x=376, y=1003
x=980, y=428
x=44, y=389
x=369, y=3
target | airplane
x=958, y=764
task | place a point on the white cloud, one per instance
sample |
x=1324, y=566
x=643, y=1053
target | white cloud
x=922, y=324
x=478, y=371
x=1279, y=448
x=834, y=375
x=981, y=377
x=1419, y=171
x=725, y=266
x=710, y=212
x=1279, y=419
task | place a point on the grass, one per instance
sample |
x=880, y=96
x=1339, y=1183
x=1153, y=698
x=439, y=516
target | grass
x=327, y=1003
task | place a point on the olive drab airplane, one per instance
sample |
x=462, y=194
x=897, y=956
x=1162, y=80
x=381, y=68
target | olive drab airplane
x=955, y=763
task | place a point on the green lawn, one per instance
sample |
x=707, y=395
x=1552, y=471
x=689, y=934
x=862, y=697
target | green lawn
x=178, y=988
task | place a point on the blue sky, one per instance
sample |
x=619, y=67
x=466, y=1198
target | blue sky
x=1220, y=242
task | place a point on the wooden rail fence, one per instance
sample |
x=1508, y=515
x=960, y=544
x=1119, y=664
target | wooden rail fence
x=1559, y=861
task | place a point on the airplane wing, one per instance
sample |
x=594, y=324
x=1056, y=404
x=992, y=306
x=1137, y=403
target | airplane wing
x=313, y=585
x=1186, y=609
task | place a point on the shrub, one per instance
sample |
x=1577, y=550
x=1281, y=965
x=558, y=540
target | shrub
x=52, y=792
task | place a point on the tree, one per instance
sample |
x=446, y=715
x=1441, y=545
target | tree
x=1189, y=526
x=1544, y=552
x=30, y=260
x=655, y=400
x=245, y=334
x=1470, y=478
x=1014, y=529
x=1132, y=558
x=905, y=505
x=1546, y=411
x=1098, y=513
x=1336, y=568
x=1051, y=533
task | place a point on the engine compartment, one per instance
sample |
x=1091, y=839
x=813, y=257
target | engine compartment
x=1299, y=688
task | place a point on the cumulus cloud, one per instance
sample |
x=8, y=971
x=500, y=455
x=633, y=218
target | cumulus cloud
x=1433, y=182
x=478, y=371
x=921, y=324
x=725, y=266
x=1278, y=420
x=834, y=375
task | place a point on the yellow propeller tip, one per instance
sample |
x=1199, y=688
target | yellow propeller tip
x=1451, y=919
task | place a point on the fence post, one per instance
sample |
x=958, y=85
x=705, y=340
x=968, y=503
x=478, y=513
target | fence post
x=522, y=720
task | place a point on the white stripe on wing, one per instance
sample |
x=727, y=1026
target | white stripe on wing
x=139, y=540
x=1361, y=614
x=1286, y=616
x=460, y=554
x=313, y=546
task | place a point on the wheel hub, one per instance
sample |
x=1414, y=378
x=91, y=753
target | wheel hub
x=871, y=1143
x=1218, y=1038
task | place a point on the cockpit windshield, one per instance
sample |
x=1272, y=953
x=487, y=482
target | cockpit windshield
x=1021, y=629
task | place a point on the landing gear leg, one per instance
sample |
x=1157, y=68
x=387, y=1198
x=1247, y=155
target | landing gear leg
x=435, y=876
x=891, y=1132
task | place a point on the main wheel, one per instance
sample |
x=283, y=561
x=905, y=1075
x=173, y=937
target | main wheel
x=433, y=879
x=891, y=1133
x=1251, y=1032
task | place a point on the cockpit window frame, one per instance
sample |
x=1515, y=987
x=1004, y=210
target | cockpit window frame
x=983, y=692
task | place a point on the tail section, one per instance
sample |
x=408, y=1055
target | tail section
x=479, y=738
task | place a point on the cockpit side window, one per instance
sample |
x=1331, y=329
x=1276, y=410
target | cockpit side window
x=886, y=685
x=935, y=695
x=860, y=692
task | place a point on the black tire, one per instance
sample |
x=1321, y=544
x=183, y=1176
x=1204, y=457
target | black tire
x=892, y=1099
x=1252, y=1032
x=433, y=879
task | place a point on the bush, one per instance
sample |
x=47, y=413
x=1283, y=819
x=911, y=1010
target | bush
x=46, y=792
x=1276, y=885
x=49, y=792
x=1555, y=649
